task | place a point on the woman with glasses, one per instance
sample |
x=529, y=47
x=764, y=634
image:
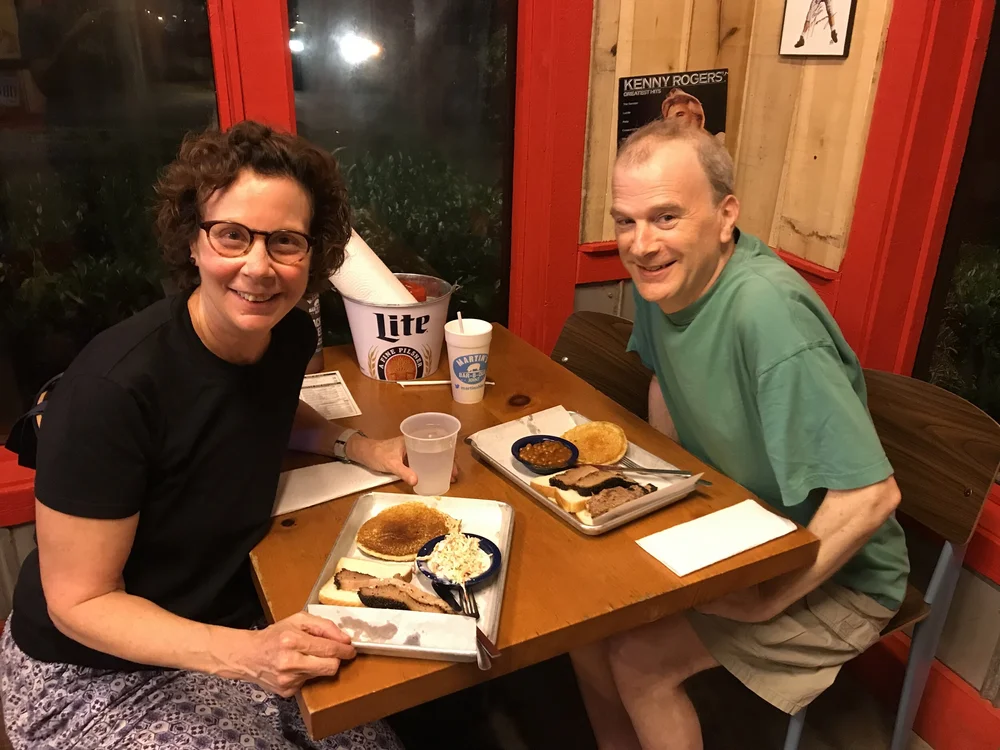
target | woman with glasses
x=135, y=622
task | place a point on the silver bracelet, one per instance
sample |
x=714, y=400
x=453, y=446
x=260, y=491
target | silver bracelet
x=340, y=446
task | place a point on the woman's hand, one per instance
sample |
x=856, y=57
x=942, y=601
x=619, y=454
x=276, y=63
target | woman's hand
x=388, y=456
x=285, y=655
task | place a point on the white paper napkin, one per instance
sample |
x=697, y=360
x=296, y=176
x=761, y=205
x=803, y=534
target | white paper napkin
x=696, y=544
x=312, y=485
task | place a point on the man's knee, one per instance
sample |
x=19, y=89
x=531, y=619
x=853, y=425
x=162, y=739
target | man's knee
x=590, y=660
x=667, y=650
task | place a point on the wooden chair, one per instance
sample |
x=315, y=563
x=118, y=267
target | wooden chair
x=946, y=453
x=592, y=346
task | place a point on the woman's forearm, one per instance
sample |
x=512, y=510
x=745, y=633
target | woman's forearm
x=312, y=432
x=138, y=630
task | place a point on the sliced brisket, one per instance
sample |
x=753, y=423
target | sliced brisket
x=591, y=482
x=611, y=498
x=396, y=594
x=351, y=580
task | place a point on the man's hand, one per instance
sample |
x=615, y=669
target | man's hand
x=387, y=456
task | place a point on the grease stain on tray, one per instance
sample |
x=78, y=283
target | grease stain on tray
x=364, y=631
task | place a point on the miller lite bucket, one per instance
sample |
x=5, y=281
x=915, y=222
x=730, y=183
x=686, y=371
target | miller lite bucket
x=401, y=342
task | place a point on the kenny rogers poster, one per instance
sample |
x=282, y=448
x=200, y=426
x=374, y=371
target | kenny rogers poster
x=698, y=96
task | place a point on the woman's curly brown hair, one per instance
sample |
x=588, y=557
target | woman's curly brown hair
x=211, y=161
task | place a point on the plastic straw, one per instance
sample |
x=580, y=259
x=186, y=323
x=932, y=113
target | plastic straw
x=461, y=326
x=408, y=383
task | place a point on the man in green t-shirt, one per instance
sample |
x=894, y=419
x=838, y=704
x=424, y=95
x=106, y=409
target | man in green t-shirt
x=754, y=377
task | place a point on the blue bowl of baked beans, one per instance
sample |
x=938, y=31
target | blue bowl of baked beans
x=545, y=454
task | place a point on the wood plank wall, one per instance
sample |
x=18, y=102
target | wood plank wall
x=796, y=128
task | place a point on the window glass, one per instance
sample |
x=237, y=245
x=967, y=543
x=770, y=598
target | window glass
x=960, y=346
x=95, y=96
x=416, y=99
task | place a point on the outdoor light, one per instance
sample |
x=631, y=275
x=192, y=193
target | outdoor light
x=357, y=49
x=296, y=45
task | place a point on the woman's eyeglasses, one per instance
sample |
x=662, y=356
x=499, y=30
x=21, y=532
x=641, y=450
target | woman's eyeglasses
x=232, y=240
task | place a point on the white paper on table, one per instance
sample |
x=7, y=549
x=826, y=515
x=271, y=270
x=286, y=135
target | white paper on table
x=327, y=393
x=312, y=485
x=697, y=544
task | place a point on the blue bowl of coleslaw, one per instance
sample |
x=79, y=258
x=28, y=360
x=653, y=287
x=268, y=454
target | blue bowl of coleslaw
x=459, y=559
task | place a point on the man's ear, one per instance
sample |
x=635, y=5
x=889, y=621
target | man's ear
x=729, y=211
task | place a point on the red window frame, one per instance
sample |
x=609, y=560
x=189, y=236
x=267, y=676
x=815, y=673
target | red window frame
x=252, y=62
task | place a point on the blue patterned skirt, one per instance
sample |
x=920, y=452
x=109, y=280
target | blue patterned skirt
x=55, y=706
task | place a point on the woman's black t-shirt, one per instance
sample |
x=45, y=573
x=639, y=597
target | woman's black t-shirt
x=147, y=420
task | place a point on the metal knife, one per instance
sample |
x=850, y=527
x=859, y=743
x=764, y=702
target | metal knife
x=445, y=593
x=449, y=598
x=633, y=470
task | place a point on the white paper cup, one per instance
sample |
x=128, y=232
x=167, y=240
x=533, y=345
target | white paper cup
x=468, y=357
x=430, y=449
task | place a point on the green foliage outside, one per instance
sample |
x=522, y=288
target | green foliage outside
x=78, y=257
x=71, y=270
x=966, y=358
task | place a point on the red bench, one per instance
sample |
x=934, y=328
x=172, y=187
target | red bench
x=17, y=491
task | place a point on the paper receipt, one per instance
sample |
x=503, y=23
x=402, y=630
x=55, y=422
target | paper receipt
x=327, y=393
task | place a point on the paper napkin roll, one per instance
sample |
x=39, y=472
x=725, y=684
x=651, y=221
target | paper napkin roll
x=364, y=277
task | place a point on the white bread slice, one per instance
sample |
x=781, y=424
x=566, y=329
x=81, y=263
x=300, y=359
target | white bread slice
x=330, y=594
x=585, y=518
x=375, y=568
x=571, y=501
x=543, y=486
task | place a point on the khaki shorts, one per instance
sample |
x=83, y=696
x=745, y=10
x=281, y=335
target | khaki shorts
x=794, y=657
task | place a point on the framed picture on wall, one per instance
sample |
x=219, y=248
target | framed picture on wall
x=817, y=28
x=697, y=97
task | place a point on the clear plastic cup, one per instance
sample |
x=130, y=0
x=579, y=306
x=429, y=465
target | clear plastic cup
x=430, y=448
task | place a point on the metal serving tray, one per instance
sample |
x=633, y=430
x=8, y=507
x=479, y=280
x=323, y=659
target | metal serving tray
x=422, y=635
x=493, y=445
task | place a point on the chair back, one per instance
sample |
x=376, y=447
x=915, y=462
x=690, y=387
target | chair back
x=592, y=346
x=944, y=450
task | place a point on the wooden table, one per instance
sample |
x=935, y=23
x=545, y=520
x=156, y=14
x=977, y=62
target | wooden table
x=563, y=589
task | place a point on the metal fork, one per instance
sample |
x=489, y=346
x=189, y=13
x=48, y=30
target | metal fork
x=628, y=463
x=469, y=606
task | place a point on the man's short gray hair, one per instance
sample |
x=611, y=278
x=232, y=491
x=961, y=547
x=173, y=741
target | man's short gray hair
x=715, y=160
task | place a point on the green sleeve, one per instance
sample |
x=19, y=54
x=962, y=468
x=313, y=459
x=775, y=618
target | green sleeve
x=640, y=342
x=817, y=431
